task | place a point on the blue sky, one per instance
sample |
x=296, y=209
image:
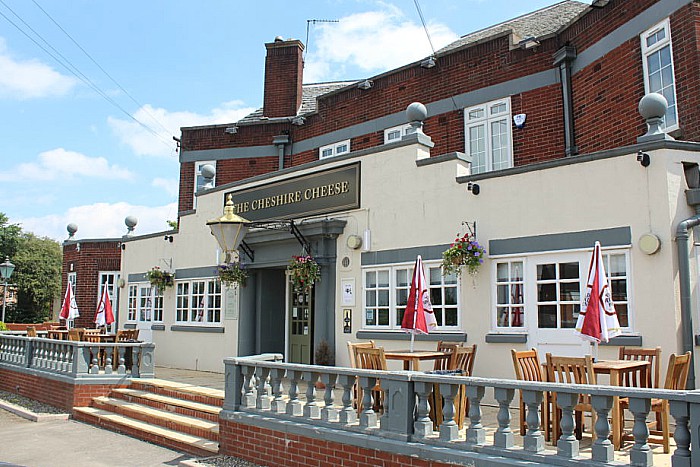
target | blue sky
x=69, y=148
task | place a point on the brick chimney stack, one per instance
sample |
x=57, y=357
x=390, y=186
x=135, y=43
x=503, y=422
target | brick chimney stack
x=284, y=70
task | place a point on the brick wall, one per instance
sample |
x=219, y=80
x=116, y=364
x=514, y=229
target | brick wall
x=61, y=394
x=269, y=447
x=92, y=258
x=283, y=75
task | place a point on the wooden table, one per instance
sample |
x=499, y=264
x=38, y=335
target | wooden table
x=617, y=369
x=60, y=334
x=411, y=360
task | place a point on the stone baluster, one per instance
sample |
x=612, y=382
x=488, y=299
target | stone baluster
x=279, y=405
x=423, y=426
x=567, y=444
x=476, y=434
x=121, y=359
x=329, y=413
x=602, y=450
x=368, y=418
x=503, y=438
x=681, y=414
x=135, y=357
x=248, y=385
x=641, y=454
x=262, y=402
x=311, y=408
x=449, y=431
x=95, y=366
x=347, y=414
x=294, y=406
x=108, y=359
x=533, y=440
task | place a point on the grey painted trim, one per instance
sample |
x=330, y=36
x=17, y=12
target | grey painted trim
x=248, y=152
x=450, y=156
x=137, y=277
x=514, y=338
x=157, y=327
x=578, y=159
x=631, y=29
x=188, y=212
x=130, y=326
x=163, y=233
x=195, y=273
x=208, y=329
x=697, y=339
x=403, y=336
x=617, y=236
x=629, y=341
x=82, y=379
x=403, y=255
x=91, y=240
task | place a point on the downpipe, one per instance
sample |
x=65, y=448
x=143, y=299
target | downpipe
x=682, y=245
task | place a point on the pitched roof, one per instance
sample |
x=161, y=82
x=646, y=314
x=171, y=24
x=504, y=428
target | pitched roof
x=536, y=24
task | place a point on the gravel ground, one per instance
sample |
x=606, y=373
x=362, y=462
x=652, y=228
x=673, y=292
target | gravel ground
x=226, y=461
x=30, y=404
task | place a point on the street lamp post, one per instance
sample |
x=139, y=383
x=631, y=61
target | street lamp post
x=229, y=229
x=6, y=270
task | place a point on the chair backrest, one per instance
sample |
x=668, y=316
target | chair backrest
x=447, y=347
x=527, y=365
x=571, y=370
x=357, y=345
x=463, y=359
x=677, y=372
x=31, y=331
x=370, y=358
x=653, y=356
x=126, y=335
x=76, y=334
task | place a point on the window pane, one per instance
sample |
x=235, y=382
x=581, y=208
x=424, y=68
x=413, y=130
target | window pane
x=546, y=292
x=450, y=279
x=546, y=272
x=569, y=315
x=370, y=318
x=503, y=316
x=371, y=298
x=402, y=278
x=498, y=108
x=619, y=290
x=516, y=293
x=547, y=316
x=517, y=271
x=517, y=317
x=450, y=317
x=371, y=279
x=401, y=297
x=383, y=298
x=435, y=276
x=450, y=296
x=569, y=291
x=617, y=265
x=383, y=278
x=476, y=113
x=502, y=295
x=383, y=316
x=568, y=270
x=502, y=274
x=622, y=315
x=435, y=296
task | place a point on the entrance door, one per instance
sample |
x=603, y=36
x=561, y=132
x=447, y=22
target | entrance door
x=300, y=326
x=144, y=319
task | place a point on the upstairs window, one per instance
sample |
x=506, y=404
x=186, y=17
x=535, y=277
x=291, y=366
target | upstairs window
x=657, y=62
x=394, y=134
x=199, y=180
x=488, y=136
x=334, y=149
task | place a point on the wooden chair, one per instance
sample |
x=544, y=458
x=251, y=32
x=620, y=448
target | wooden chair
x=447, y=347
x=653, y=356
x=76, y=334
x=676, y=379
x=31, y=331
x=461, y=361
x=571, y=370
x=528, y=368
x=372, y=359
x=91, y=335
x=357, y=345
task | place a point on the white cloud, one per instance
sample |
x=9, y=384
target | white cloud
x=168, y=185
x=101, y=220
x=373, y=41
x=59, y=164
x=27, y=79
x=144, y=143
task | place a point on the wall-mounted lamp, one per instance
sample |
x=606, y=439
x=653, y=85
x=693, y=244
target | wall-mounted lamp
x=528, y=43
x=77, y=247
x=428, y=62
x=169, y=238
x=474, y=188
x=366, y=84
x=231, y=130
x=599, y=3
x=643, y=158
x=298, y=121
x=123, y=246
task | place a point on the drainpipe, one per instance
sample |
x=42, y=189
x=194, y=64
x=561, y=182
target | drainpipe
x=682, y=244
x=280, y=141
x=563, y=59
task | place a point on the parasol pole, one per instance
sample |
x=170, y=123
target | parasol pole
x=413, y=331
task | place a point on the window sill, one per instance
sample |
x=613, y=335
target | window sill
x=388, y=335
x=629, y=340
x=129, y=325
x=197, y=328
x=158, y=327
x=506, y=338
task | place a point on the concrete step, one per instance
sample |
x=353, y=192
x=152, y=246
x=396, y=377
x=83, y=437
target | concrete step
x=181, y=390
x=183, y=423
x=168, y=403
x=194, y=445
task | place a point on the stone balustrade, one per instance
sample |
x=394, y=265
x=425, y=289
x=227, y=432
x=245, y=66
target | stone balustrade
x=263, y=391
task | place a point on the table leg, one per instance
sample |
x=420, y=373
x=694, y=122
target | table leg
x=407, y=364
x=416, y=364
x=615, y=381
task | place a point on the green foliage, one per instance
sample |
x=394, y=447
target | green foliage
x=160, y=279
x=232, y=273
x=465, y=251
x=2, y=326
x=172, y=224
x=304, y=271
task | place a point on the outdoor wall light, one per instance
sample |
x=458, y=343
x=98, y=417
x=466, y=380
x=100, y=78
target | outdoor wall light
x=231, y=130
x=643, y=158
x=428, y=62
x=366, y=84
x=169, y=238
x=474, y=188
x=599, y=3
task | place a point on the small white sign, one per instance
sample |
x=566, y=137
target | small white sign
x=348, y=288
x=232, y=304
x=519, y=120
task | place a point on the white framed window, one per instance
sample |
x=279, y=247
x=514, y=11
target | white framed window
x=544, y=291
x=108, y=279
x=198, y=301
x=488, y=136
x=394, y=134
x=334, y=149
x=145, y=303
x=386, y=291
x=72, y=277
x=657, y=62
x=199, y=180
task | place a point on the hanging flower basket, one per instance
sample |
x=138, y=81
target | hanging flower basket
x=160, y=279
x=232, y=273
x=304, y=271
x=465, y=251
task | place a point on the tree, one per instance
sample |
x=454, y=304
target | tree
x=37, y=272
